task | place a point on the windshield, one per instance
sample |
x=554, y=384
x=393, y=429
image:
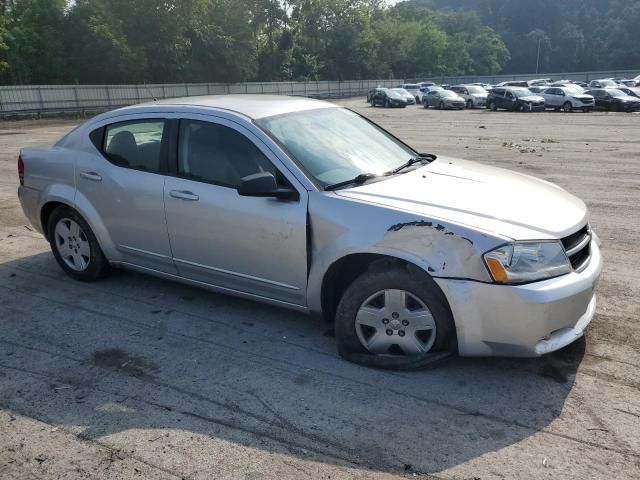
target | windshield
x=411, y=87
x=474, y=89
x=401, y=91
x=608, y=83
x=616, y=93
x=448, y=94
x=573, y=89
x=334, y=144
x=521, y=92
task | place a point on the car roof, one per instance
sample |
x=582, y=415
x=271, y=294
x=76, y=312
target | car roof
x=251, y=106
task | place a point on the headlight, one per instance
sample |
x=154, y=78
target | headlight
x=523, y=262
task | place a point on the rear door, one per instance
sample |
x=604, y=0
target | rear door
x=124, y=183
x=252, y=245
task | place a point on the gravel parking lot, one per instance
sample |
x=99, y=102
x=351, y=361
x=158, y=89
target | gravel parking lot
x=135, y=377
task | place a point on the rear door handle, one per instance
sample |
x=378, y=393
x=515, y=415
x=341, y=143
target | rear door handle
x=91, y=176
x=184, y=195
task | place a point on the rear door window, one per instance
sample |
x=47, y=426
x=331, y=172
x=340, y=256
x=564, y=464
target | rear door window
x=136, y=144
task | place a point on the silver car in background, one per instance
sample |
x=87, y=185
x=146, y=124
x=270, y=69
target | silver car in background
x=413, y=89
x=568, y=98
x=473, y=95
x=443, y=100
x=306, y=205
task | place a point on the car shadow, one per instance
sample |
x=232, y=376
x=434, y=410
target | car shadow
x=140, y=356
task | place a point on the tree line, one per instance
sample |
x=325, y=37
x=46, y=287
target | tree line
x=573, y=35
x=167, y=41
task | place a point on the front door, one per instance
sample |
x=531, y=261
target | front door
x=247, y=244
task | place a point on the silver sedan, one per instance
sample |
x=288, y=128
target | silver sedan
x=306, y=205
x=444, y=99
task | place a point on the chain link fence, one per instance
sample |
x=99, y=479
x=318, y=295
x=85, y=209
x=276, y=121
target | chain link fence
x=41, y=99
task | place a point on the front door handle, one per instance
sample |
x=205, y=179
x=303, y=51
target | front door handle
x=184, y=195
x=91, y=176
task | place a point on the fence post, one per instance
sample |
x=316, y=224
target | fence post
x=40, y=99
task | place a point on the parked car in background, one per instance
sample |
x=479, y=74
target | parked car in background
x=624, y=82
x=514, y=83
x=631, y=91
x=411, y=100
x=516, y=99
x=413, y=89
x=486, y=86
x=426, y=84
x=371, y=92
x=305, y=205
x=541, y=82
x=388, y=98
x=538, y=89
x=637, y=79
x=425, y=90
x=473, y=95
x=444, y=99
x=604, y=83
x=567, y=99
x=614, y=100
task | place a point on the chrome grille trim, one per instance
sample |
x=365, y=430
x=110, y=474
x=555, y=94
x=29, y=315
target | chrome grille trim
x=577, y=246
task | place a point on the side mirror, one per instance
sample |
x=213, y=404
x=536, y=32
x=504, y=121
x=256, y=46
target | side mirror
x=264, y=184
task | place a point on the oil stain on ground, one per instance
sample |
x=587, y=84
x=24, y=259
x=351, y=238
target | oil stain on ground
x=120, y=361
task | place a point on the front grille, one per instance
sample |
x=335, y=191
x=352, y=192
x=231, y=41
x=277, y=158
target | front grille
x=578, y=248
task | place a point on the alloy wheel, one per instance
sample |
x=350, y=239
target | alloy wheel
x=72, y=244
x=395, y=322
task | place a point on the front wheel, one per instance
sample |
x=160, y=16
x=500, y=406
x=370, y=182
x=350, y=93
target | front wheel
x=441, y=106
x=75, y=246
x=493, y=107
x=394, y=317
x=567, y=107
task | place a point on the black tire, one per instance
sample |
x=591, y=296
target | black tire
x=390, y=275
x=441, y=106
x=425, y=104
x=567, y=107
x=98, y=266
x=470, y=104
x=615, y=108
x=493, y=107
x=387, y=104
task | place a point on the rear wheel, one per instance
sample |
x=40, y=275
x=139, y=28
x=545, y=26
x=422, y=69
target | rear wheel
x=75, y=246
x=493, y=107
x=394, y=317
x=441, y=106
x=387, y=104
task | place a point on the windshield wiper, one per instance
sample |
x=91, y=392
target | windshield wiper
x=412, y=161
x=359, y=180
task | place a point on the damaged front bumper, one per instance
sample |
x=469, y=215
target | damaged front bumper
x=525, y=320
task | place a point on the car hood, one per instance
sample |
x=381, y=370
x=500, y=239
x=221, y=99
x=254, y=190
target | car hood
x=492, y=199
x=532, y=98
